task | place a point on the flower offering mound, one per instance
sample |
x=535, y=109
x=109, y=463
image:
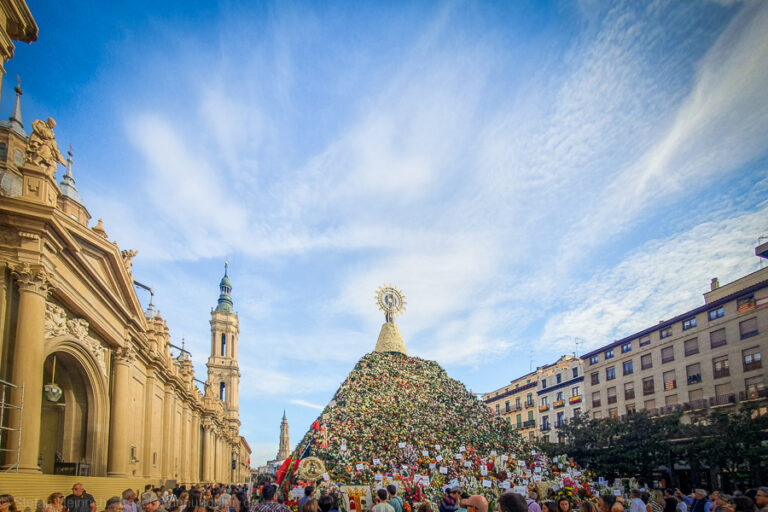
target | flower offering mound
x=403, y=418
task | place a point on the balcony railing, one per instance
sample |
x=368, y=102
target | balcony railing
x=754, y=365
x=722, y=372
x=629, y=394
x=698, y=404
x=694, y=379
x=529, y=423
x=670, y=384
x=753, y=394
x=543, y=408
x=545, y=428
x=612, y=399
x=575, y=399
x=557, y=404
x=729, y=398
x=595, y=403
x=648, y=390
x=529, y=403
x=747, y=305
x=559, y=424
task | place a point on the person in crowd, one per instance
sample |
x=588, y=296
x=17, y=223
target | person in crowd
x=149, y=502
x=655, y=502
x=129, y=501
x=743, y=504
x=636, y=504
x=533, y=506
x=382, y=502
x=699, y=501
x=681, y=505
x=425, y=507
x=114, y=504
x=195, y=503
x=587, y=506
x=563, y=505
x=79, y=500
x=270, y=504
x=606, y=502
x=551, y=506
x=327, y=503
x=450, y=502
x=670, y=502
x=761, y=499
x=180, y=503
x=512, y=502
x=54, y=503
x=239, y=502
x=309, y=506
x=7, y=503
x=308, y=492
x=476, y=503
x=394, y=500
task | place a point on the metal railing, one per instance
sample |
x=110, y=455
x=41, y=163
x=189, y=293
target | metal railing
x=11, y=462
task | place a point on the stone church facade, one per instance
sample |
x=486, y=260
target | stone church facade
x=88, y=381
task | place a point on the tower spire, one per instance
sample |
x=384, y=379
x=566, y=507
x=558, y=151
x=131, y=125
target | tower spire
x=285, y=444
x=15, y=119
x=225, y=297
x=67, y=183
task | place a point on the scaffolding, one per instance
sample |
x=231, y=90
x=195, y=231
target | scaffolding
x=12, y=453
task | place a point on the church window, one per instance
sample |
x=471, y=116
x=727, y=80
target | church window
x=223, y=345
x=3, y=151
x=222, y=391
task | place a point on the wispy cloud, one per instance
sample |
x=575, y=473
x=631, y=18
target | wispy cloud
x=304, y=403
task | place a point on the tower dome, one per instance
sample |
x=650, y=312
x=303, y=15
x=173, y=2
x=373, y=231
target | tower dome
x=225, y=304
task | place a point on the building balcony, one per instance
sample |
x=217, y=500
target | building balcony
x=575, y=399
x=543, y=408
x=612, y=399
x=694, y=379
x=557, y=404
x=754, y=365
x=629, y=395
x=518, y=408
x=595, y=403
x=529, y=404
x=723, y=372
x=727, y=399
x=753, y=394
x=529, y=423
x=559, y=424
x=746, y=306
x=648, y=390
x=545, y=428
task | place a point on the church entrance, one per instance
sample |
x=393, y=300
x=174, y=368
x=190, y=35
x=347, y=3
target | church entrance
x=66, y=415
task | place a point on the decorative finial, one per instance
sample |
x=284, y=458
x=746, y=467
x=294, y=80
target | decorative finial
x=15, y=119
x=226, y=267
x=99, y=228
x=391, y=301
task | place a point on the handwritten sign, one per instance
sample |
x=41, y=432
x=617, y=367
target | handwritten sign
x=425, y=453
x=378, y=477
x=360, y=466
x=467, y=464
x=504, y=485
x=483, y=471
x=439, y=458
x=617, y=492
x=437, y=447
x=462, y=449
x=401, y=445
x=493, y=453
x=487, y=483
x=443, y=470
x=454, y=482
x=504, y=458
x=458, y=456
x=432, y=465
x=377, y=462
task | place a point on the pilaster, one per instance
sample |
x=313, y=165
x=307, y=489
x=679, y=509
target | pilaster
x=122, y=366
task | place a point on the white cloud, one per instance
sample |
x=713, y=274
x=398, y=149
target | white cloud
x=304, y=403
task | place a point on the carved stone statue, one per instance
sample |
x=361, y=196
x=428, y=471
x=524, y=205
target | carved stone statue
x=42, y=149
x=128, y=259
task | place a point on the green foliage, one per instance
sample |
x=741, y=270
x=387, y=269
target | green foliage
x=639, y=444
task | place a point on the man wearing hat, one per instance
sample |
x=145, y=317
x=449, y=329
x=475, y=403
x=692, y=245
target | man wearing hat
x=149, y=501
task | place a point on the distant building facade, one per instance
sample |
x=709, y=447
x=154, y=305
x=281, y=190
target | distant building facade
x=560, y=393
x=710, y=356
x=516, y=402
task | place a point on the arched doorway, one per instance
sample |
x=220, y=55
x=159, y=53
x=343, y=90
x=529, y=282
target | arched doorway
x=68, y=425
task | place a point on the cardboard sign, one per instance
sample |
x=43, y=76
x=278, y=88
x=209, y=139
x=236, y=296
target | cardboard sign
x=487, y=483
x=537, y=478
x=443, y=470
x=421, y=479
x=462, y=449
x=519, y=489
x=504, y=458
x=343, y=447
x=577, y=473
x=378, y=477
x=458, y=456
x=432, y=465
x=360, y=466
x=493, y=453
x=483, y=470
x=439, y=458
x=377, y=462
x=521, y=463
x=467, y=464
x=454, y=482
x=537, y=469
x=425, y=453
x=437, y=447
x=617, y=492
x=298, y=492
x=401, y=445
x=504, y=485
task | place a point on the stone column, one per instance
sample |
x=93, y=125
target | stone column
x=185, y=444
x=166, y=462
x=121, y=413
x=206, y=476
x=149, y=398
x=33, y=282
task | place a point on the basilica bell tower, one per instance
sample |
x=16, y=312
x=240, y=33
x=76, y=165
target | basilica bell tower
x=223, y=372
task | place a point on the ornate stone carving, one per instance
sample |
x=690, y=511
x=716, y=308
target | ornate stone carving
x=42, y=149
x=128, y=259
x=57, y=324
x=124, y=355
x=9, y=237
x=32, y=278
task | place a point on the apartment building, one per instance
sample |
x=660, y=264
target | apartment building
x=516, y=402
x=710, y=356
x=559, y=393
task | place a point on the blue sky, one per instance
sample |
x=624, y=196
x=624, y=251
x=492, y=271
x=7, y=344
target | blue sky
x=526, y=172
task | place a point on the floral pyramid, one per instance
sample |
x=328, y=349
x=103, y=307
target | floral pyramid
x=400, y=418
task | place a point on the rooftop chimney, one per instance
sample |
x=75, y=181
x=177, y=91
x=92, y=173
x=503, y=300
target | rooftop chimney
x=715, y=284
